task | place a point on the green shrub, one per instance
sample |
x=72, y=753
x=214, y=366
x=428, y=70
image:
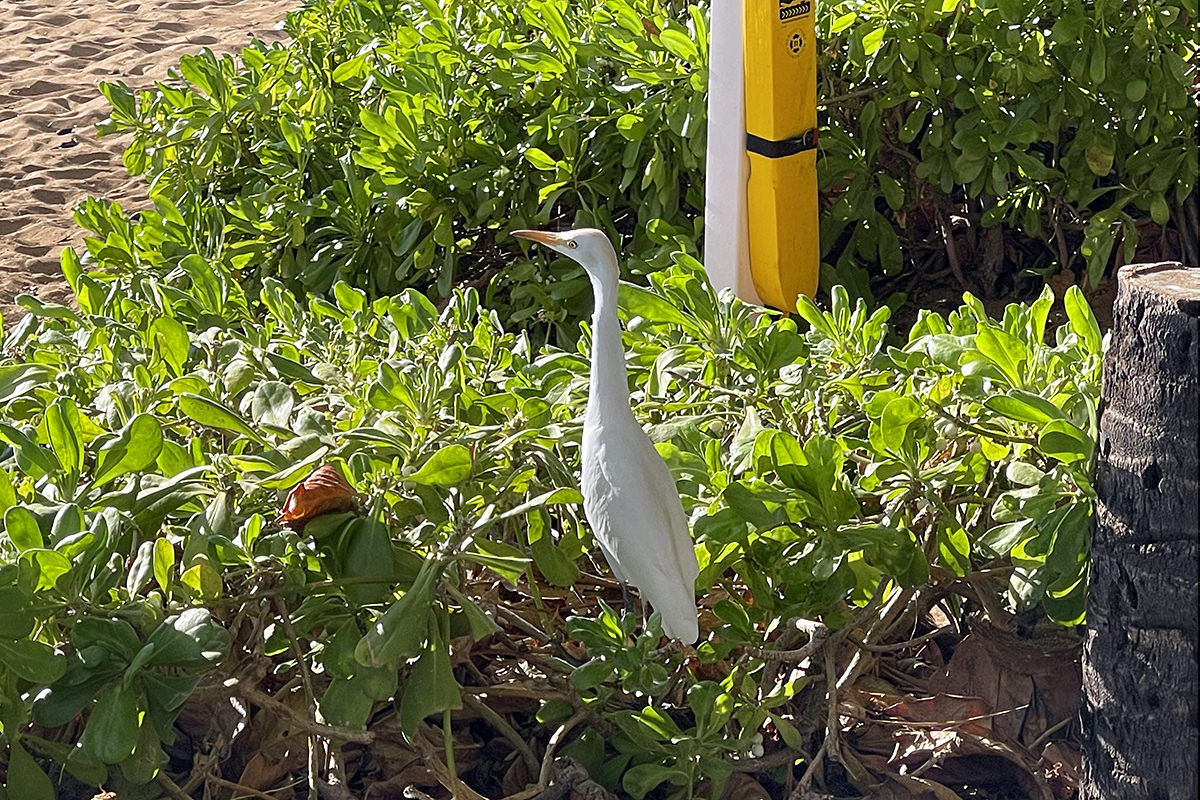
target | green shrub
x=148, y=437
x=394, y=144
x=391, y=144
x=1068, y=122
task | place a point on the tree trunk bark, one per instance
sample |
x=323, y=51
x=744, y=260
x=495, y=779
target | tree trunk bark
x=1140, y=656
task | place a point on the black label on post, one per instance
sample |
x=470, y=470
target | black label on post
x=794, y=9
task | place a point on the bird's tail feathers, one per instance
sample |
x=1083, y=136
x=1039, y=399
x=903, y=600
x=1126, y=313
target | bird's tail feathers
x=679, y=616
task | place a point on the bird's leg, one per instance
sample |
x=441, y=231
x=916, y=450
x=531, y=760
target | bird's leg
x=626, y=599
x=627, y=605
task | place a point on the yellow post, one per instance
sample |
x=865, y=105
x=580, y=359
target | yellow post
x=781, y=140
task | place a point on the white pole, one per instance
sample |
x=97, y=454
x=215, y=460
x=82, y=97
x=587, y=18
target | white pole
x=726, y=242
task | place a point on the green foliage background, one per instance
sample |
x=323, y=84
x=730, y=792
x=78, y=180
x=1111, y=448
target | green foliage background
x=1060, y=128
x=393, y=144
x=150, y=435
x=276, y=311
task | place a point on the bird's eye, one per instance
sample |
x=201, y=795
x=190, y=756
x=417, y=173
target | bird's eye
x=572, y=244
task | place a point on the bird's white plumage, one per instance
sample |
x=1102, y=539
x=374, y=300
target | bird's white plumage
x=629, y=496
x=631, y=502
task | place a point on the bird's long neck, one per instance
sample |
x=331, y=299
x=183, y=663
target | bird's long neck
x=609, y=388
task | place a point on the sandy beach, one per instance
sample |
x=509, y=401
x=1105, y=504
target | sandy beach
x=53, y=53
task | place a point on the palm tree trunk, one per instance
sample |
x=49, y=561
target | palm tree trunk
x=1140, y=656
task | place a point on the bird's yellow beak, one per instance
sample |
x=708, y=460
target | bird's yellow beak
x=541, y=237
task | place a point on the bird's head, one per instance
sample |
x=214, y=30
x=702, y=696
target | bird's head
x=587, y=246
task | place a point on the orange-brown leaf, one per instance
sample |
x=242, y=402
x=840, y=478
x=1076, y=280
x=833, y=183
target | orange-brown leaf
x=322, y=492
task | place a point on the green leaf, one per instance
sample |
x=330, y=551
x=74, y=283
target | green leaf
x=62, y=427
x=641, y=779
x=1062, y=440
x=954, y=548
x=32, y=459
x=679, y=44
x=1160, y=212
x=1099, y=155
x=202, y=581
x=756, y=503
x=401, y=631
x=8, y=492
x=503, y=559
x=355, y=68
x=481, y=624
x=446, y=467
x=40, y=308
x=208, y=281
x=1000, y=539
x=35, y=661
x=897, y=416
x=120, y=97
x=1023, y=473
x=550, y=559
x=141, y=569
x=345, y=704
x=845, y=21
x=272, y=404
x=212, y=414
x=164, y=562
x=561, y=496
x=638, y=302
x=136, y=447
x=26, y=780
x=711, y=706
x=1135, y=89
x=367, y=553
x=1082, y=320
x=191, y=639
x=48, y=565
x=1024, y=406
x=112, y=728
x=170, y=342
x=592, y=674
x=19, y=380
x=1005, y=351
x=16, y=618
x=22, y=529
x=540, y=159
x=431, y=686
x=873, y=40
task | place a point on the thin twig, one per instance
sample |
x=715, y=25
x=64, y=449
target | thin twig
x=951, y=251
x=525, y=626
x=713, y=388
x=841, y=98
x=833, y=730
x=1046, y=734
x=237, y=787
x=817, y=638
x=501, y=726
x=173, y=789
x=965, y=425
x=766, y=763
x=266, y=701
x=806, y=779
x=316, y=749
x=556, y=739
x=888, y=648
x=448, y=747
x=942, y=724
x=447, y=779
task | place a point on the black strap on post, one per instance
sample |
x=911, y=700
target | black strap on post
x=782, y=148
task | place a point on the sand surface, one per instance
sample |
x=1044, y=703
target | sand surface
x=53, y=53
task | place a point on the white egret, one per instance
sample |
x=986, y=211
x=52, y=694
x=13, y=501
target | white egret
x=629, y=496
